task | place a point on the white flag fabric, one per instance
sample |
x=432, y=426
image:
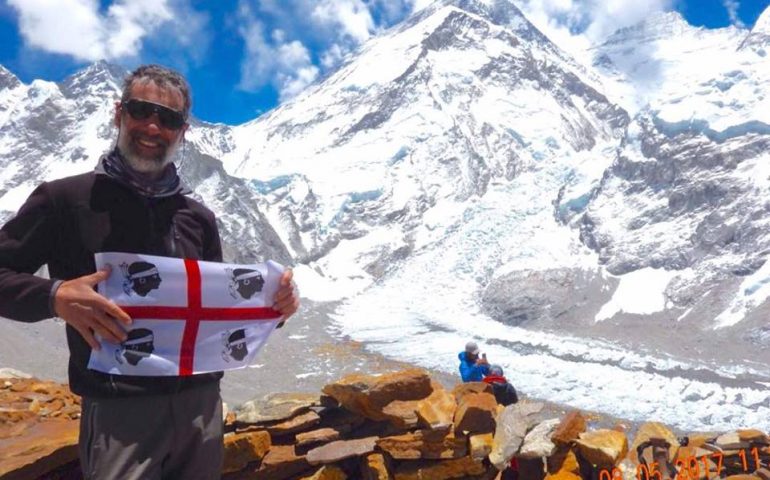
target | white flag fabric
x=189, y=316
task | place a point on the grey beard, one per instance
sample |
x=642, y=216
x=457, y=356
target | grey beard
x=140, y=164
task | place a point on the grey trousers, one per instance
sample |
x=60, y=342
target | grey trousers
x=172, y=436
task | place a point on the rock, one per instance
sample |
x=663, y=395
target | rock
x=742, y=477
x=753, y=436
x=463, y=389
x=244, y=448
x=603, y=448
x=322, y=435
x=340, y=450
x=281, y=462
x=656, y=434
x=13, y=373
x=437, y=410
x=512, y=426
x=480, y=445
x=537, y=443
x=531, y=468
x=476, y=413
x=38, y=448
x=763, y=473
x=368, y=395
x=572, y=425
x=299, y=423
x=375, y=467
x=274, y=407
x=426, y=444
x=327, y=472
x=563, y=465
x=402, y=413
x=439, y=469
x=340, y=418
x=731, y=441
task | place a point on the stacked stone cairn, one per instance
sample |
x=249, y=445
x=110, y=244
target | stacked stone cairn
x=399, y=426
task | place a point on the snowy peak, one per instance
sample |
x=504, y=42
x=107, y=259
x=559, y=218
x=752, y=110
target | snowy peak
x=759, y=38
x=99, y=78
x=660, y=25
x=7, y=79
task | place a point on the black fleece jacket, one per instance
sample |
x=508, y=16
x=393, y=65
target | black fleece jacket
x=63, y=224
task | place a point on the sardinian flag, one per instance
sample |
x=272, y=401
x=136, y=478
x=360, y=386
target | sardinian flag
x=189, y=316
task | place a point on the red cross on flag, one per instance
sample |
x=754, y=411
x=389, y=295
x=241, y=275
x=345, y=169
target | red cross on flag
x=189, y=316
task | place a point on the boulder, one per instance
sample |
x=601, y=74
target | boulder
x=244, y=448
x=563, y=465
x=402, y=413
x=320, y=436
x=38, y=448
x=439, y=469
x=426, y=444
x=340, y=450
x=603, y=448
x=462, y=389
x=731, y=441
x=571, y=426
x=275, y=407
x=655, y=434
x=480, y=445
x=437, y=410
x=512, y=426
x=537, y=443
x=299, y=423
x=753, y=436
x=281, y=462
x=374, y=466
x=327, y=472
x=368, y=395
x=476, y=413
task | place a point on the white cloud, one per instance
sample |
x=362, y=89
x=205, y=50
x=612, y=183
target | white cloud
x=272, y=59
x=732, y=7
x=78, y=28
x=575, y=25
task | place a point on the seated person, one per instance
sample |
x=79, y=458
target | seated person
x=472, y=368
x=504, y=392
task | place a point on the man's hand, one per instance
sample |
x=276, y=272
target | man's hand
x=482, y=360
x=79, y=305
x=287, y=297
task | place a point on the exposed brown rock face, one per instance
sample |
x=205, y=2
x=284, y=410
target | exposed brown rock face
x=403, y=426
x=571, y=426
x=604, y=448
x=242, y=449
x=340, y=450
x=476, y=413
x=38, y=427
x=426, y=444
x=656, y=434
x=368, y=395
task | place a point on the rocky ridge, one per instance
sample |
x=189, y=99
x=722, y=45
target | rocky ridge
x=400, y=425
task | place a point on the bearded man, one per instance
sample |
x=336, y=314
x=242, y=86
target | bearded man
x=132, y=427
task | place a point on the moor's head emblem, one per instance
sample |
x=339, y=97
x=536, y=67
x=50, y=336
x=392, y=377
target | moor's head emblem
x=244, y=282
x=140, y=278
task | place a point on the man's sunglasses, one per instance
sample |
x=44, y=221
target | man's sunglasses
x=141, y=110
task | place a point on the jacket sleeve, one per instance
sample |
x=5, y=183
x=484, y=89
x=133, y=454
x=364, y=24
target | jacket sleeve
x=213, y=249
x=26, y=243
x=468, y=371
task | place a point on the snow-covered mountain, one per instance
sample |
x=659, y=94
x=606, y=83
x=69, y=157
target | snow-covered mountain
x=599, y=228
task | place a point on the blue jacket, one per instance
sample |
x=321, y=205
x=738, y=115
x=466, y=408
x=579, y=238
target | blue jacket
x=469, y=371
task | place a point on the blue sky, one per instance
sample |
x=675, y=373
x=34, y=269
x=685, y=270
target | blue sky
x=244, y=57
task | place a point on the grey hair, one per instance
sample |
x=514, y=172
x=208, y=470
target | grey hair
x=161, y=76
